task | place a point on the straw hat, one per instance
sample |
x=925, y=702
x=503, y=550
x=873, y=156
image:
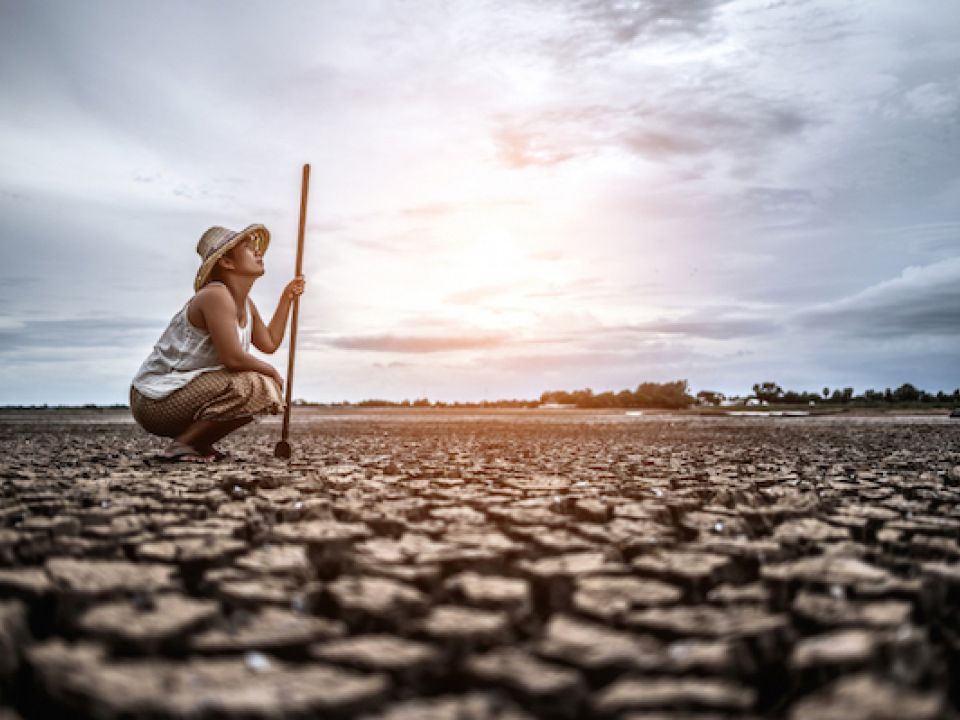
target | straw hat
x=217, y=241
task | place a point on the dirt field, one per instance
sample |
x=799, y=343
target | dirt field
x=495, y=565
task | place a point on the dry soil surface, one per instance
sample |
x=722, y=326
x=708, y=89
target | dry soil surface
x=512, y=565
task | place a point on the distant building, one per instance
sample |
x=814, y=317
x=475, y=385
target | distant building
x=558, y=406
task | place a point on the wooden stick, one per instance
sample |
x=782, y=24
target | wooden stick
x=283, y=447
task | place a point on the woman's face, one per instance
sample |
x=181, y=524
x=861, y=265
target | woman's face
x=247, y=258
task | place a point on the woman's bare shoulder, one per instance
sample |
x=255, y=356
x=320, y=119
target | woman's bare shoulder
x=212, y=293
x=212, y=296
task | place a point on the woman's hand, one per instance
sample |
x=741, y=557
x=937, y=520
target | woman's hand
x=277, y=377
x=295, y=287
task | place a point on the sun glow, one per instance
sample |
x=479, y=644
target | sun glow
x=489, y=278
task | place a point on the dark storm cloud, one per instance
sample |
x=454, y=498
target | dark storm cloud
x=707, y=328
x=687, y=123
x=921, y=301
x=77, y=333
x=742, y=125
x=594, y=27
x=416, y=343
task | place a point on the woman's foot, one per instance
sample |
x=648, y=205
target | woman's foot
x=214, y=454
x=181, y=452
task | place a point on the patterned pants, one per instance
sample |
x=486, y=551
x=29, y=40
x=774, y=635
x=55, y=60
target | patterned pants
x=214, y=395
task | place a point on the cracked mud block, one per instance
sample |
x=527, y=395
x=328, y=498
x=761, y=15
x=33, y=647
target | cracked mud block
x=592, y=510
x=749, y=553
x=526, y=516
x=598, y=651
x=554, y=540
x=864, y=697
x=493, y=592
x=80, y=679
x=546, y=688
x=553, y=578
x=424, y=577
x=144, y=623
x=453, y=558
x=708, y=621
x=809, y=531
x=637, y=694
x=629, y=536
x=14, y=636
x=611, y=598
x=483, y=537
x=253, y=593
x=408, y=661
x=100, y=578
x=761, y=636
x=458, y=515
x=751, y=593
x=209, y=529
x=835, y=611
x=416, y=550
x=458, y=628
x=269, y=630
x=326, y=540
x=713, y=523
x=470, y=706
x=711, y=657
x=277, y=560
x=197, y=551
x=825, y=571
x=29, y=583
x=372, y=603
x=838, y=650
x=695, y=572
x=52, y=526
x=941, y=584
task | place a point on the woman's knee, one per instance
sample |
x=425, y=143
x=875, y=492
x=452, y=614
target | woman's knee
x=247, y=382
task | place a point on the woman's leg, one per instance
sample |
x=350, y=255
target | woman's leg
x=204, y=433
x=206, y=410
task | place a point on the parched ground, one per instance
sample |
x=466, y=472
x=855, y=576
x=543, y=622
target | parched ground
x=508, y=566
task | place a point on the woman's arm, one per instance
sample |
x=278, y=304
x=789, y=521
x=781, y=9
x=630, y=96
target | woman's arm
x=267, y=338
x=219, y=313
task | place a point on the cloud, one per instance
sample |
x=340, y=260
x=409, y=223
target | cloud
x=475, y=295
x=78, y=332
x=705, y=327
x=685, y=123
x=521, y=147
x=923, y=300
x=597, y=27
x=933, y=101
x=416, y=343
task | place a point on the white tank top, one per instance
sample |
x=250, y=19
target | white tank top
x=183, y=352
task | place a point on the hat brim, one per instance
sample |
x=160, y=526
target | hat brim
x=255, y=230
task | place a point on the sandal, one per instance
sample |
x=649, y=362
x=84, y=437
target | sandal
x=180, y=452
x=193, y=458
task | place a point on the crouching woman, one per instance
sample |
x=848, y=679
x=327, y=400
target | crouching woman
x=200, y=382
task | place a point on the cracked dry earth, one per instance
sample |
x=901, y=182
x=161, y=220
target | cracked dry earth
x=478, y=567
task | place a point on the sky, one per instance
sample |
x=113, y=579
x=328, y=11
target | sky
x=506, y=197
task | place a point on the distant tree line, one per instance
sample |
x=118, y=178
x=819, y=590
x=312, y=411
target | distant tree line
x=676, y=395
x=907, y=393
x=668, y=395
x=425, y=403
